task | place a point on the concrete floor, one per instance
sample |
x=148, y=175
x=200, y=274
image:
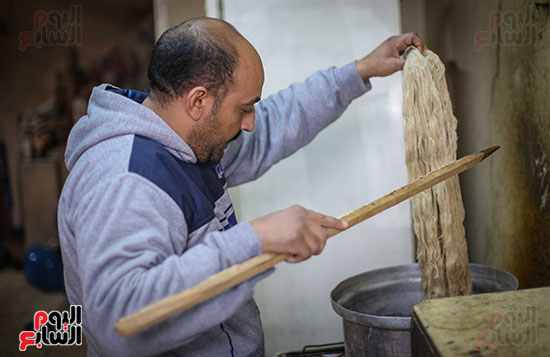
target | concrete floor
x=18, y=303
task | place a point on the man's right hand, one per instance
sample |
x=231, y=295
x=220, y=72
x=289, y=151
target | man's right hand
x=295, y=230
x=386, y=58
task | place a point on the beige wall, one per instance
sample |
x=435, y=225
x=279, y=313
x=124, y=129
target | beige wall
x=501, y=97
x=169, y=13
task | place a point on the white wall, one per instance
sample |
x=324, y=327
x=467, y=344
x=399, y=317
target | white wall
x=354, y=161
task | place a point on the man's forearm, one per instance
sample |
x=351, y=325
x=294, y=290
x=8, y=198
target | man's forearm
x=290, y=119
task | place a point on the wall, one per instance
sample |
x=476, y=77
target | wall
x=169, y=13
x=501, y=98
x=355, y=160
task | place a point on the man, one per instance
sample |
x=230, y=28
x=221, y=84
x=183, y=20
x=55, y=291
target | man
x=145, y=212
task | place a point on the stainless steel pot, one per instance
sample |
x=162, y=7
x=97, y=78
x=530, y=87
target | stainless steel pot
x=376, y=306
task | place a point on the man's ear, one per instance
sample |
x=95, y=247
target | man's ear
x=196, y=102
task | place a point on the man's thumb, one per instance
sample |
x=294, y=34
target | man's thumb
x=398, y=63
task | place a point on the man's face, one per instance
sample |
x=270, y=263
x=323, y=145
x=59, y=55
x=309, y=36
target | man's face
x=235, y=112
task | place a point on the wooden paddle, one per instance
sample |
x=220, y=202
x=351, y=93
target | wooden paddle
x=228, y=278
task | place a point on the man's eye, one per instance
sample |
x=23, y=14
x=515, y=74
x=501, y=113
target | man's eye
x=248, y=111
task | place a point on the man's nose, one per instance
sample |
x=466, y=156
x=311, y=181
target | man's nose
x=249, y=122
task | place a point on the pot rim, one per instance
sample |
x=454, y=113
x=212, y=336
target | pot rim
x=411, y=270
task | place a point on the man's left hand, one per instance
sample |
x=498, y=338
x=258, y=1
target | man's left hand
x=386, y=58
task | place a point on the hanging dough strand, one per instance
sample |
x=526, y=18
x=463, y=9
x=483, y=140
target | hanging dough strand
x=431, y=142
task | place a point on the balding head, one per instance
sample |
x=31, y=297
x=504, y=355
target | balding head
x=201, y=51
x=204, y=80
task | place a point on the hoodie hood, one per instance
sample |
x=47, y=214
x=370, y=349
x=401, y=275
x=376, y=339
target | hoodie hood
x=112, y=113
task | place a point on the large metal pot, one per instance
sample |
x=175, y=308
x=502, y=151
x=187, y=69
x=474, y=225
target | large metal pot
x=376, y=306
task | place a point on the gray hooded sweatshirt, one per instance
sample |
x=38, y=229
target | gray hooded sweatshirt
x=139, y=219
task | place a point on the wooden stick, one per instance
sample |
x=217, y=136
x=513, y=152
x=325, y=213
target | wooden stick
x=228, y=278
